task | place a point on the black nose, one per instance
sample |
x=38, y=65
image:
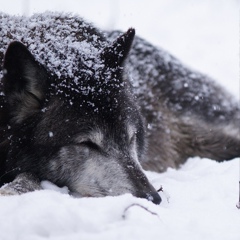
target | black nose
x=152, y=196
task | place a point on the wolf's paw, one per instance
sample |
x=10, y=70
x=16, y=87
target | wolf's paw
x=23, y=183
x=7, y=191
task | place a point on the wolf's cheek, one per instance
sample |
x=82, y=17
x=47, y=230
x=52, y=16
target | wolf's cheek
x=68, y=164
x=102, y=176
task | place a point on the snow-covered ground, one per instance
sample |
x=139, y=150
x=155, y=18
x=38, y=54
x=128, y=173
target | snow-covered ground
x=203, y=193
x=201, y=206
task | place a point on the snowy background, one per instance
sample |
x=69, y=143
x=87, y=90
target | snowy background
x=203, y=193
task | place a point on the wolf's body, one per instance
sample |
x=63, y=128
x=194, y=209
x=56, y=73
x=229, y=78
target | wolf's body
x=188, y=114
x=73, y=120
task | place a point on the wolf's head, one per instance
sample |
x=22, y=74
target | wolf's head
x=85, y=132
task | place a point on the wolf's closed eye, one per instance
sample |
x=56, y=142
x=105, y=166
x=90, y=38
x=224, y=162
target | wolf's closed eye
x=132, y=139
x=91, y=145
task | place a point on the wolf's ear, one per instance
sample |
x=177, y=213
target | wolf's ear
x=24, y=81
x=115, y=54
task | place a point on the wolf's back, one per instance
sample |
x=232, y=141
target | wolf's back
x=188, y=114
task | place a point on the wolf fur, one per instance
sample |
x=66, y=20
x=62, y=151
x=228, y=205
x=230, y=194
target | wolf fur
x=68, y=115
x=188, y=114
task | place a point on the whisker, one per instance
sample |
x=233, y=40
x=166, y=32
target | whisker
x=9, y=172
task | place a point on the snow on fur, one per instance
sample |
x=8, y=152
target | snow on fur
x=58, y=40
x=69, y=48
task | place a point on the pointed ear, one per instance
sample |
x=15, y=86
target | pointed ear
x=115, y=54
x=24, y=81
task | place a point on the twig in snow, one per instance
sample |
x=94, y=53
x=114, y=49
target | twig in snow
x=238, y=204
x=165, y=193
x=160, y=189
x=138, y=205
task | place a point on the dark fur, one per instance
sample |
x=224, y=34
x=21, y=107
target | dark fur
x=186, y=112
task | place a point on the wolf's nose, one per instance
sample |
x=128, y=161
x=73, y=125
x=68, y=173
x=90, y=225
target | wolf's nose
x=152, y=196
x=155, y=198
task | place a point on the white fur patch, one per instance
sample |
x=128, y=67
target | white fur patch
x=131, y=131
x=133, y=144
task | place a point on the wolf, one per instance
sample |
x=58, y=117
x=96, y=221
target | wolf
x=89, y=110
x=67, y=111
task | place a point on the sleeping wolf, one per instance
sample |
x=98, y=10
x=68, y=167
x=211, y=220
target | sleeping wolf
x=68, y=115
